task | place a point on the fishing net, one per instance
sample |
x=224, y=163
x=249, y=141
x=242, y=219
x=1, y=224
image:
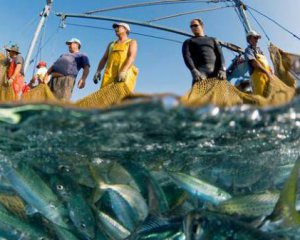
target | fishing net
x=14, y=204
x=41, y=93
x=218, y=92
x=3, y=68
x=6, y=92
x=222, y=93
x=105, y=97
x=282, y=65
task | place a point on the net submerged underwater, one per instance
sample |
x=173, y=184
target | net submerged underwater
x=151, y=170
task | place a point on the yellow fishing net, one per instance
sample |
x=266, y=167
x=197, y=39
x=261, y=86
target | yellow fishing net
x=14, y=204
x=222, y=93
x=6, y=92
x=105, y=97
x=217, y=92
x=282, y=65
x=41, y=93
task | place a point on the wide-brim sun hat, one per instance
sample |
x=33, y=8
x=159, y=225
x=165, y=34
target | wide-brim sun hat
x=13, y=48
x=125, y=25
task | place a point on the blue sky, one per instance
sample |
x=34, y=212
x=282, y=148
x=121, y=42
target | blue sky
x=160, y=62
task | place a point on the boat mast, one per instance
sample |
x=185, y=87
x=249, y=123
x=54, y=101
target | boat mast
x=241, y=7
x=44, y=15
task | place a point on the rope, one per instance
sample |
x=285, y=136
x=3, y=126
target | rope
x=145, y=4
x=272, y=20
x=258, y=23
x=186, y=13
x=135, y=33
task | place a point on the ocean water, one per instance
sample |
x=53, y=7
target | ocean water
x=243, y=150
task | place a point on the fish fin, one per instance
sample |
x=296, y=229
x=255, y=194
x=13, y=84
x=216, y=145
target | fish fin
x=285, y=208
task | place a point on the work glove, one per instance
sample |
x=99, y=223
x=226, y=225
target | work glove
x=122, y=76
x=197, y=75
x=97, y=77
x=222, y=75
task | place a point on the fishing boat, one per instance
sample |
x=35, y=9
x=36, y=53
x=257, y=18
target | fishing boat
x=147, y=169
x=237, y=71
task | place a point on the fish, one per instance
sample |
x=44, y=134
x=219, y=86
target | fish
x=202, y=190
x=80, y=212
x=64, y=234
x=198, y=225
x=285, y=213
x=111, y=227
x=252, y=205
x=25, y=181
x=157, y=227
x=15, y=228
x=133, y=198
x=149, y=187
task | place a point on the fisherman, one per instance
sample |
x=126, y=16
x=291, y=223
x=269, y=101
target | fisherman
x=15, y=71
x=38, y=76
x=259, y=68
x=203, y=55
x=65, y=70
x=119, y=59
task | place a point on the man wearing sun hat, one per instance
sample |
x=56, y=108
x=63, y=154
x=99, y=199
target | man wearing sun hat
x=118, y=59
x=65, y=70
x=15, y=71
x=259, y=68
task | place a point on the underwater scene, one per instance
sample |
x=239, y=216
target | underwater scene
x=149, y=170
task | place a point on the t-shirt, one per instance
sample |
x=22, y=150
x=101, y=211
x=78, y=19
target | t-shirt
x=41, y=72
x=250, y=54
x=69, y=64
x=20, y=60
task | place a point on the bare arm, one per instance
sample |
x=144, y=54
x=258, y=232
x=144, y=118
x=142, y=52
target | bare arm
x=85, y=73
x=132, y=51
x=103, y=60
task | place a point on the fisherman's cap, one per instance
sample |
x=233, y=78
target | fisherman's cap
x=73, y=40
x=13, y=48
x=252, y=33
x=125, y=25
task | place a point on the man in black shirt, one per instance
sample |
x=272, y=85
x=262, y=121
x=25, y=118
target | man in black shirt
x=203, y=55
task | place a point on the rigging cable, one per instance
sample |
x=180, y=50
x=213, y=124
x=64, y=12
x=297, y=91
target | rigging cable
x=27, y=25
x=140, y=34
x=186, y=13
x=240, y=18
x=258, y=23
x=272, y=20
x=145, y=4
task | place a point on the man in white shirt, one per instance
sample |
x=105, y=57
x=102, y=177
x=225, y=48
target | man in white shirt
x=39, y=75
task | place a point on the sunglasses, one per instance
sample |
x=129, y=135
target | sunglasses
x=194, y=25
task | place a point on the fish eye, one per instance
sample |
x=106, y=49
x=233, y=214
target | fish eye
x=83, y=226
x=60, y=187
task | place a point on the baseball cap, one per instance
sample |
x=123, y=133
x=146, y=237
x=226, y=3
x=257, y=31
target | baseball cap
x=125, y=25
x=253, y=33
x=76, y=40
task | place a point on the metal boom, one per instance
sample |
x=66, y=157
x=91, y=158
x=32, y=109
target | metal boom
x=44, y=15
x=64, y=16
